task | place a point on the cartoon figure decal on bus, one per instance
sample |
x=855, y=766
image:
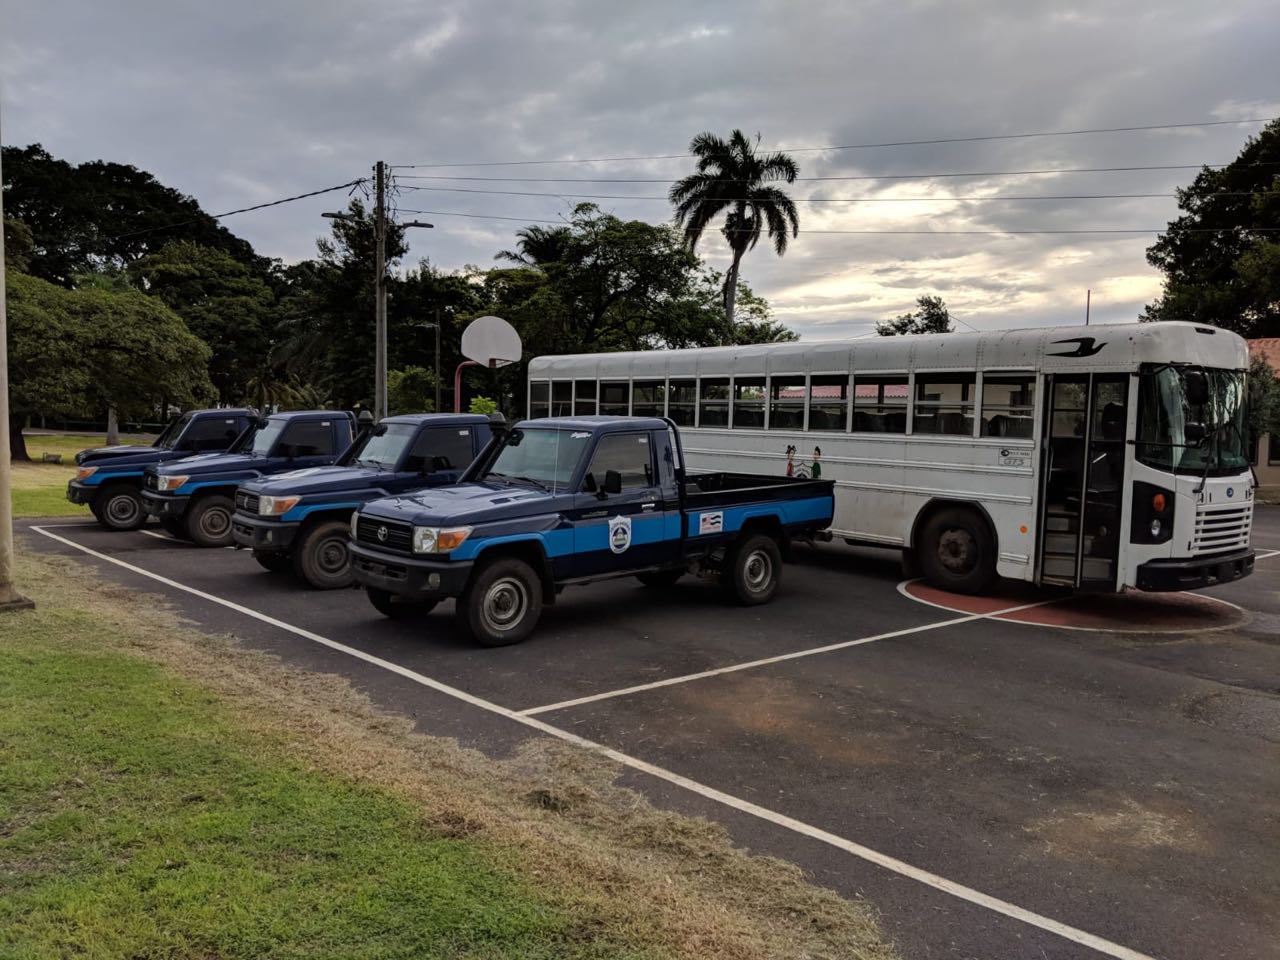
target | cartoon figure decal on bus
x=811, y=472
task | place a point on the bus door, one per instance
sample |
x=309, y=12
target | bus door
x=1082, y=484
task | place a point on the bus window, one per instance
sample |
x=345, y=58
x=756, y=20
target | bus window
x=748, y=403
x=682, y=401
x=561, y=398
x=880, y=405
x=584, y=398
x=615, y=398
x=944, y=404
x=1008, y=404
x=648, y=398
x=713, y=402
x=829, y=402
x=539, y=399
x=786, y=403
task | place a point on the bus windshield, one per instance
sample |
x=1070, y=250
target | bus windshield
x=383, y=449
x=1164, y=411
x=545, y=457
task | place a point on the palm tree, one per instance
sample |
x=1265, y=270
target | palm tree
x=732, y=177
x=538, y=247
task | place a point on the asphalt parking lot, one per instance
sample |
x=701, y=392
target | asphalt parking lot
x=997, y=789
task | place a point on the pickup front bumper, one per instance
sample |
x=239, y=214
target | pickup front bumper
x=81, y=493
x=1196, y=572
x=163, y=505
x=267, y=536
x=415, y=577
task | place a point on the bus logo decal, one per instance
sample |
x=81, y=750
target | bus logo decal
x=1085, y=347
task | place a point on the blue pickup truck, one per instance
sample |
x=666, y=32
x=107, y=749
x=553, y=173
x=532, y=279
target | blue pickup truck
x=194, y=497
x=109, y=479
x=568, y=500
x=299, y=520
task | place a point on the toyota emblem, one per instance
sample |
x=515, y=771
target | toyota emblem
x=382, y=534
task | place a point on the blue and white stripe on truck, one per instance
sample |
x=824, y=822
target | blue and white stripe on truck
x=706, y=523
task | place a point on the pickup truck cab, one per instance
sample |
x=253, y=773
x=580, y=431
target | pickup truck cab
x=299, y=520
x=109, y=479
x=567, y=500
x=194, y=497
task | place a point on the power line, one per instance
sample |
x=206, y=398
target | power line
x=855, y=146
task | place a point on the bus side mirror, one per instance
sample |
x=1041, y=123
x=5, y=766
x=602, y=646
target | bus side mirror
x=612, y=482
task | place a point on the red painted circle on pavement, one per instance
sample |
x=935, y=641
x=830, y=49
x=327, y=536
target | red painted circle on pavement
x=1130, y=612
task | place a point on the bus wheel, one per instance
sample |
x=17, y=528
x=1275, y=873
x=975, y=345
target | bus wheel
x=121, y=508
x=396, y=607
x=322, y=559
x=956, y=551
x=502, y=604
x=753, y=570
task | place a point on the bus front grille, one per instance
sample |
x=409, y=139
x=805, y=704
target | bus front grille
x=1221, y=528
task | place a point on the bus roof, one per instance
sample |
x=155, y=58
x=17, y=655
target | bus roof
x=1102, y=347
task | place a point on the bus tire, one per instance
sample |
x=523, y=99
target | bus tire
x=396, y=607
x=753, y=570
x=274, y=562
x=119, y=507
x=957, y=552
x=502, y=604
x=209, y=520
x=321, y=558
x=660, y=578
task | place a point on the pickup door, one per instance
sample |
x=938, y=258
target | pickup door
x=638, y=527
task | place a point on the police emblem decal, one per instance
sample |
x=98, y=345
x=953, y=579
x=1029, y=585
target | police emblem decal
x=619, y=534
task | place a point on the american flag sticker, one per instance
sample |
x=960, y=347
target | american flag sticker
x=710, y=522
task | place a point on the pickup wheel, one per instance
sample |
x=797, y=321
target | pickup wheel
x=209, y=520
x=502, y=604
x=321, y=559
x=397, y=607
x=956, y=551
x=174, y=528
x=660, y=578
x=275, y=562
x=119, y=508
x=753, y=570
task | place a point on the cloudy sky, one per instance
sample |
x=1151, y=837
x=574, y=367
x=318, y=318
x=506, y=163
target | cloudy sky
x=239, y=103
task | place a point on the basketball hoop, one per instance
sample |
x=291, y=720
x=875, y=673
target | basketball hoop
x=487, y=342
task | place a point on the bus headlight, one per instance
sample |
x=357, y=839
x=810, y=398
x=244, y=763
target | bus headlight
x=1156, y=527
x=1153, y=509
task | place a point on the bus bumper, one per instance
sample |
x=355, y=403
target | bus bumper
x=1155, y=575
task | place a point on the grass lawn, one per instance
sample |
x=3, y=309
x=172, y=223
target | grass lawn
x=40, y=489
x=167, y=793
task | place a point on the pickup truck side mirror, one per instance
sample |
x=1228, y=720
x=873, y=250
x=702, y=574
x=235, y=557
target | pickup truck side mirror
x=612, y=482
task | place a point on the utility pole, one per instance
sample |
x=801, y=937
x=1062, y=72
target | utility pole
x=10, y=599
x=1088, y=302
x=438, y=410
x=380, y=294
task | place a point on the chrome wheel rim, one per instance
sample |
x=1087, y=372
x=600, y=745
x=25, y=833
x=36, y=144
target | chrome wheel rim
x=957, y=551
x=758, y=571
x=505, y=604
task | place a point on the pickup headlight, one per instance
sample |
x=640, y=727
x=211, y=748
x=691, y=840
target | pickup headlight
x=167, y=482
x=274, y=506
x=84, y=473
x=355, y=519
x=438, y=540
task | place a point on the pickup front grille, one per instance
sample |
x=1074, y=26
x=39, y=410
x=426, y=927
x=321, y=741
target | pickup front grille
x=388, y=534
x=248, y=502
x=1219, y=529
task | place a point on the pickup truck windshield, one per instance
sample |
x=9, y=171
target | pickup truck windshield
x=383, y=449
x=1164, y=411
x=169, y=437
x=264, y=437
x=546, y=456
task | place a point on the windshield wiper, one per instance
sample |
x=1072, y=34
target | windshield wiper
x=502, y=476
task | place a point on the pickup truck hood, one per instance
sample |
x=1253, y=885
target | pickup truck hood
x=134, y=454
x=208, y=465
x=318, y=480
x=464, y=503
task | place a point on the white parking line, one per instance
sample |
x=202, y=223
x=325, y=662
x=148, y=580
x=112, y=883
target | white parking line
x=172, y=539
x=1266, y=554
x=900, y=867
x=780, y=658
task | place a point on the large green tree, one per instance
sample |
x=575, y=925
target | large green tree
x=930, y=316
x=731, y=178
x=1221, y=257
x=77, y=352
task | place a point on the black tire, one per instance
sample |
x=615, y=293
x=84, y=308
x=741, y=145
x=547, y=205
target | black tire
x=502, y=604
x=660, y=578
x=321, y=558
x=174, y=528
x=396, y=607
x=209, y=521
x=275, y=562
x=753, y=570
x=957, y=552
x=119, y=507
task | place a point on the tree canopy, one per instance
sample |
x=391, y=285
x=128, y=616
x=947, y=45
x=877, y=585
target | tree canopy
x=930, y=316
x=1221, y=266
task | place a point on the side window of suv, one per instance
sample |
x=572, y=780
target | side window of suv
x=212, y=434
x=307, y=438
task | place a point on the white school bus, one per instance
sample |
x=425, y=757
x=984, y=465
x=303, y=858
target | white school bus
x=1099, y=458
